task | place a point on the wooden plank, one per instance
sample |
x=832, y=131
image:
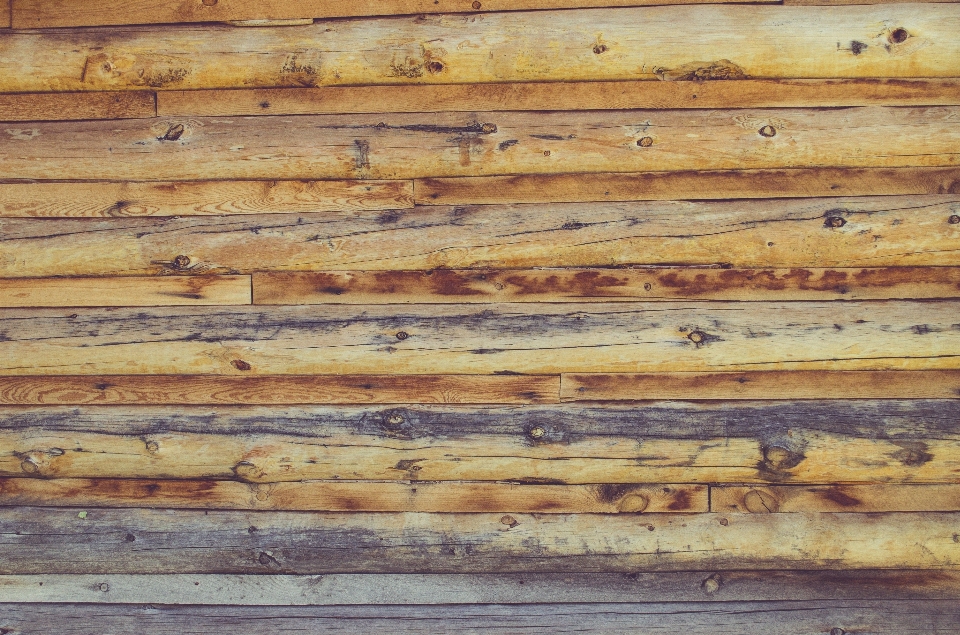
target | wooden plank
x=666, y=442
x=480, y=286
x=357, y=496
x=808, y=3
x=499, y=588
x=666, y=186
x=744, y=93
x=5, y=13
x=476, y=339
x=199, y=198
x=76, y=106
x=835, y=498
x=403, y=146
x=881, y=231
x=133, y=291
x=714, y=42
x=933, y=384
x=283, y=390
x=59, y=540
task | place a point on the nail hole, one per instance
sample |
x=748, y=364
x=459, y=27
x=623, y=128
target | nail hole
x=953, y=220
x=899, y=36
x=768, y=131
x=600, y=48
x=645, y=142
x=402, y=335
x=834, y=222
x=476, y=6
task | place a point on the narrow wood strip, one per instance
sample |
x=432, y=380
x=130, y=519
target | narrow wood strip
x=77, y=106
x=200, y=198
x=835, y=498
x=5, y=13
x=702, y=185
x=284, y=390
x=59, y=540
x=357, y=496
x=932, y=384
x=676, y=43
x=561, y=96
x=133, y=291
x=809, y=3
x=603, y=285
x=423, y=145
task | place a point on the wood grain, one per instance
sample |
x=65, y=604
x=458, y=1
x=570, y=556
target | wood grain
x=935, y=384
x=853, y=441
x=282, y=390
x=789, y=234
x=5, y=13
x=75, y=106
x=199, y=198
x=743, y=93
x=603, y=285
x=133, y=291
x=835, y=498
x=56, y=540
x=404, y=146
x=675, y=43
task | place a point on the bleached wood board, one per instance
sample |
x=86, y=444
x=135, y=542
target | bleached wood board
x=128, y=291
x=835, y=498
x=75, y=106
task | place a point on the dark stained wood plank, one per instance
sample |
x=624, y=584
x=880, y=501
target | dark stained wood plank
x=128, y=291
x=835, y=498
x=77, y=106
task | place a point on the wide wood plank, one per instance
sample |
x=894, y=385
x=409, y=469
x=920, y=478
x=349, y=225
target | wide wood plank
x=571, y=95
x=875, y=232
x=693, y=42
x=930, y=384
x=603, y=285
x=199, y=198
x=279, y=390
x=709, y=442
x=76, y=106
x=835, y=498
x=132, y=291
x=403, y=146
x=61, y=540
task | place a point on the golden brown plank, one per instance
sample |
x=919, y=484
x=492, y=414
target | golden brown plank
x=703, y=185
x=5, y=12
x=935, y=384
x=568, y=95
x=76, y=106
x=319, y=389
x=835, y=498
x=132, y=291
x=356, y=496
x=603, y=285
x=200, y=198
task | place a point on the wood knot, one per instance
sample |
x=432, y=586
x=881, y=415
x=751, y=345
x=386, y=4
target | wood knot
x=239, y=364
x=435, y=67
x=537, y=432
x=488, y=128
x=476, y=5
x=834, y=222
x=954, y=219
x=768, y=131
x=181, y=262
x=645, y=142
x=402, y=335
x=173, y=133
x=29, y=466
x=632, y=503
x=758, y=501
x=899, y=35
x=599, y=49
x=509, y=521
x=246, y=470
x=712, y=584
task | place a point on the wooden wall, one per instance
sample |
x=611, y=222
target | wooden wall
x=567, y=315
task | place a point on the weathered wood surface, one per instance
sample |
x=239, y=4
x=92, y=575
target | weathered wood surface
x=73, y=106
x=933, y=384
x=603, y=285
x=280, y=390
x=132, y=291
x=411, y=145
x=744, y=93
x=719, y=42
x=666, y=442
x=357, y=496
x=498, y=588
x=200, y=198
x=835, y=498
x=792, y=234
x=59, y=540
x=5, y=13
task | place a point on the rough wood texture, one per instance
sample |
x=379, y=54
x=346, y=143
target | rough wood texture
x=835, y=498
x=57, y=540
x=704, y=442
x=5, y=13
x=200, y=198
x=74, y=106
x=133, y=291
x=934, y=384
x=743, y=93
x=603, y=285
x=875, y=232
x=718, y=42
x=357, y=496
x=285, y=390
x=402, y=146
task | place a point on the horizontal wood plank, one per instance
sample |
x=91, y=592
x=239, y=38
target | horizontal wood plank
x=5, y=12
x=132, y=291
x=931, y=384
x=835, y=498
x=278, y=390
x=875, y=232
x=199, y=198
x=61, y=540
x=692, y=42
x=77, y=106
x=743, y=93
x=603, y=285
x=404, y=146
x=705, y=442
